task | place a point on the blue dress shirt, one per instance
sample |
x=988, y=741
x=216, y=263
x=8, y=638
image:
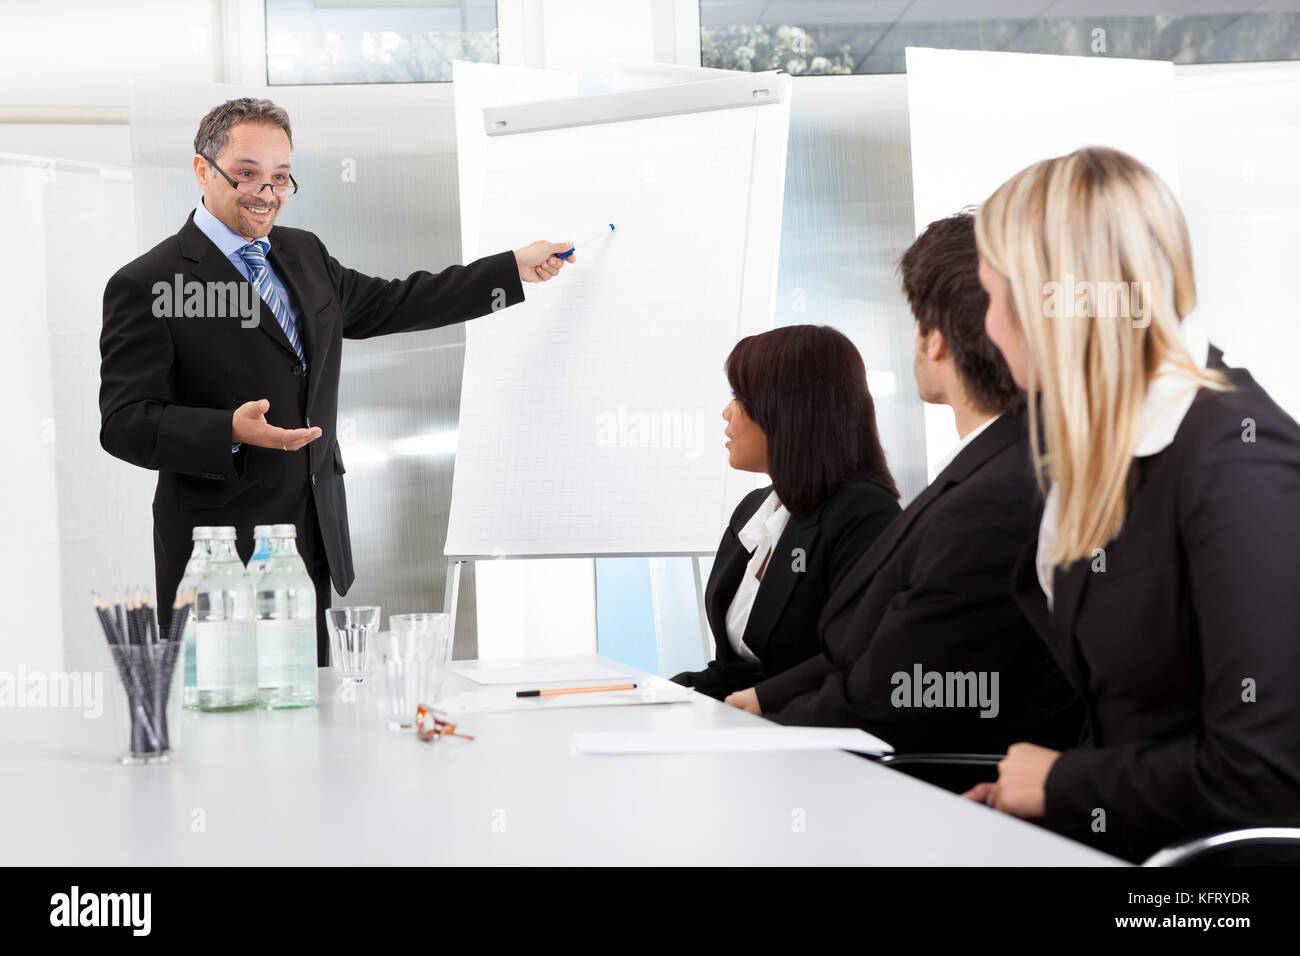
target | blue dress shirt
x=230, y=242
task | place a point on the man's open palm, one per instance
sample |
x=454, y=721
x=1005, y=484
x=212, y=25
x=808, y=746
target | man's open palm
x=250, y=427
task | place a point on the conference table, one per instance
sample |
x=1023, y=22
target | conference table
x=332, y=785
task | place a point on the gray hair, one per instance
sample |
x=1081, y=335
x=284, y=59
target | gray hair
x=214, y=130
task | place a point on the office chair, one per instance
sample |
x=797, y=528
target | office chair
x=1274, y=846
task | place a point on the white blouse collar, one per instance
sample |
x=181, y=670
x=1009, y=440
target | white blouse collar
x=765, y=524
x=1170, y=394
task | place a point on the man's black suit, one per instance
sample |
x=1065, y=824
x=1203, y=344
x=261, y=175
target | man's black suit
x=935, y=591
x=169, y=387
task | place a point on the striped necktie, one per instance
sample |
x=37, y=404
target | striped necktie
x=255, y=255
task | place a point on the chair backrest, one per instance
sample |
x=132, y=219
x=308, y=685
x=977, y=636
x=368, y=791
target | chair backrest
x=1256, y=846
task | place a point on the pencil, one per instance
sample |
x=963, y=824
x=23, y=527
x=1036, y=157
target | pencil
x=180, y=615
x=105, y=619
x=572, y=690
x=150, y=619
x=118, y=616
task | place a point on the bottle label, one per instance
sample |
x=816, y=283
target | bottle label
x=286, y=653
x=225, y=654
x=187, y=644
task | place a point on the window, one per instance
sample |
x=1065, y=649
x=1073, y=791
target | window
x=827, y=37
x=375, y=41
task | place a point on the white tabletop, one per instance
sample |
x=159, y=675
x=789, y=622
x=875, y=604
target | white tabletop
x=330, y=785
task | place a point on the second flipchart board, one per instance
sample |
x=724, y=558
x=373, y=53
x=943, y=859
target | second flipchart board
x=979, y=117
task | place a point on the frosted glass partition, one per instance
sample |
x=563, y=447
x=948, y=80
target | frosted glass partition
x=377, y=170
x=848, y=218
x=74, y=518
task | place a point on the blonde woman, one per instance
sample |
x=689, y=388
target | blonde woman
x=1163, y=575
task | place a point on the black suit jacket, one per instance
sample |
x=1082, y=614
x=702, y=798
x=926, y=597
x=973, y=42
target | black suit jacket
x=169, y=385
x=807, y=563
x=934, y=592
x=1198, y=609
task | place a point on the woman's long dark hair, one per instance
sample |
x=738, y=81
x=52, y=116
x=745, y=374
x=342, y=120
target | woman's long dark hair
x=806, y=387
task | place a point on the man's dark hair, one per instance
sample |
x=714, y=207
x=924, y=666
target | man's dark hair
x=214, y=130
x=940, y=274
x=805, y=386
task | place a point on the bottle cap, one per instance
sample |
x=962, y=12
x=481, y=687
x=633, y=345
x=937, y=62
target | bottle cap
x=262, y=529
x=284, y=531
x=223, y=533
x=202, y=532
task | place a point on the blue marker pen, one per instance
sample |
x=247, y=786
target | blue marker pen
x=596, y=238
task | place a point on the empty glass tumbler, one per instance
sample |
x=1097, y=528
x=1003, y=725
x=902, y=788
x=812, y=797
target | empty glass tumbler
x=352, y=633
x=431, y=632
x=412, y=664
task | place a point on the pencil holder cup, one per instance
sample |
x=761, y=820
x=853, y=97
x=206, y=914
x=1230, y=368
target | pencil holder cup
x=147, y=686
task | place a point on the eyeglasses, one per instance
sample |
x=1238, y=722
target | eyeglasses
x=431, y=725
x=250, y=188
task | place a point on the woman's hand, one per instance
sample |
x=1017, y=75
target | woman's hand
x=1021, y=787
x=746, y=700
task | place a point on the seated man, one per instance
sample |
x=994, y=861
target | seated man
x=922, y=644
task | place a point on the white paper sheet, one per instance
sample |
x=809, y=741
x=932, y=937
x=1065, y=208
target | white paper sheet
x=590, y=413
x=652, y=690
x=728, y=740
x=541, y=672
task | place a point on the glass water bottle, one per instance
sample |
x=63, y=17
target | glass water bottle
x=285, y=600
x=194, y=570
x=225, y=637
x=261, y=550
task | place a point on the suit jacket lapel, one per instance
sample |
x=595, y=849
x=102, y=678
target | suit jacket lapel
x=1068, y=587
x=1004, y=431
x=1028, y=593
x=211, y=266
x=315, y=343
x=880, y=550
x=724, y=579
x=779, y=579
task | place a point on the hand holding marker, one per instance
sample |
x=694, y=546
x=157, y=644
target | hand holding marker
x=602, y=234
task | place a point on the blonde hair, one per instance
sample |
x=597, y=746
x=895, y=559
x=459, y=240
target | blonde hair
x=1059, y=231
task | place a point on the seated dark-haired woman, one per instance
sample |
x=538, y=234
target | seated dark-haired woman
x=803, y=415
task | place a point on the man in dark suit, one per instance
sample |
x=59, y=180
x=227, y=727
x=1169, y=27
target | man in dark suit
x=922, y=643
x=220, y=353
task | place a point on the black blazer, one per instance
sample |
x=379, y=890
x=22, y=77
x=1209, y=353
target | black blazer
x=934, y=592
x=169, y=386
x=1186, y=649
x=806, y=564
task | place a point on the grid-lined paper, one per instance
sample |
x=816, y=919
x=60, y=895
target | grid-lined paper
x=590, y=418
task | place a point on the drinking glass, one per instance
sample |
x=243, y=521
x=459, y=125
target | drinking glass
x=429, y=634
x=401, y=680
x=352, y=631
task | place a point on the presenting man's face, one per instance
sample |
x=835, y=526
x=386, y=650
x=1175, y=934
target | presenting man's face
x=254, y=153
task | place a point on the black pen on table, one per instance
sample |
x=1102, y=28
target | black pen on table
x=552, y=691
